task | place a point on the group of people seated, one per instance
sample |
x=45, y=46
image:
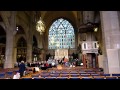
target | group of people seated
x=51, y=63
x=43, y=65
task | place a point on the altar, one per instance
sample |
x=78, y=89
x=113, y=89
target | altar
x=60, y=53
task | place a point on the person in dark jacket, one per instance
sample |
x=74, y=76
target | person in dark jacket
x=22, y=68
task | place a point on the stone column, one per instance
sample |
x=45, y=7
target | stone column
x=29, y=52
x=30, y=30
x=15, y=55
x=111, y=42
x=9, y=51
x=10, y=28
x=29, y=46
x=44, y=45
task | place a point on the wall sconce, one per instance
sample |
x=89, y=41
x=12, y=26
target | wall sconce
x=17, y=28
x=95, y=29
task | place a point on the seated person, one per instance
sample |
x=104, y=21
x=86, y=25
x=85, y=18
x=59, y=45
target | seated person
x=37, y=69
x=53, y=64
x=16, y=76
x=34, y=70
x=43, y=67
x=47, y=65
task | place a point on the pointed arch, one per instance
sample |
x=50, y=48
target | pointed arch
x=20, y=29
x=61, y=34
x=35, y=43
x=21, y=42
x=21, y=49
x=2, y=35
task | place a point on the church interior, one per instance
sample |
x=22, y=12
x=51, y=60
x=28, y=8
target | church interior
x=60, y=44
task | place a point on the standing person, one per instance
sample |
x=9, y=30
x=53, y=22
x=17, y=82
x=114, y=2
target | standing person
x=22, y=68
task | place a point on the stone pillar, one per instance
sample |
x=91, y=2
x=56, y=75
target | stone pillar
x=10, y=28
x=29, y=52
x=29, y=47
x=9, y=51
x=15, y=55
x=29, y=30
x=111, y=42
x=42, y=55
x=113, y=60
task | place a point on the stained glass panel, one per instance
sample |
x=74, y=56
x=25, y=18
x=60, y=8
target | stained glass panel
x=61, y=35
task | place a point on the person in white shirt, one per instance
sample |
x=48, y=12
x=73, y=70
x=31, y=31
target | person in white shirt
x=16, y=76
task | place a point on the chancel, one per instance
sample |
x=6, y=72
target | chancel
x=60, y=44
x=60, y=53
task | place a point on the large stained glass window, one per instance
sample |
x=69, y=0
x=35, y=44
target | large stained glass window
x=61, y=35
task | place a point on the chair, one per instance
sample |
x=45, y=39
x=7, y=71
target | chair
x=45, y=72
x=38, y=77
x=50, y=77
x=74, y=77
x=85, y=75
x=16, y=71
x=55, y=75
x=62, y=77
x=45, y=75
x=57, y=72
x=64, y=72
x=105, y=74
x=95, y=74
x=86, y=78
x=73, y=72
x=89, y=70
x=9, y=74
x=111, y=77
x=2, y=75
x=116, y=75
x=98, y=77
x=26, y=77
x=82, y=72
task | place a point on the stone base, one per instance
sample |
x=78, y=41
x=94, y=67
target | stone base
x=8, y=65
x=113, y=60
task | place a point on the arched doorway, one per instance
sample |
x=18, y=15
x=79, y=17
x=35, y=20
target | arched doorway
x=2, y=45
